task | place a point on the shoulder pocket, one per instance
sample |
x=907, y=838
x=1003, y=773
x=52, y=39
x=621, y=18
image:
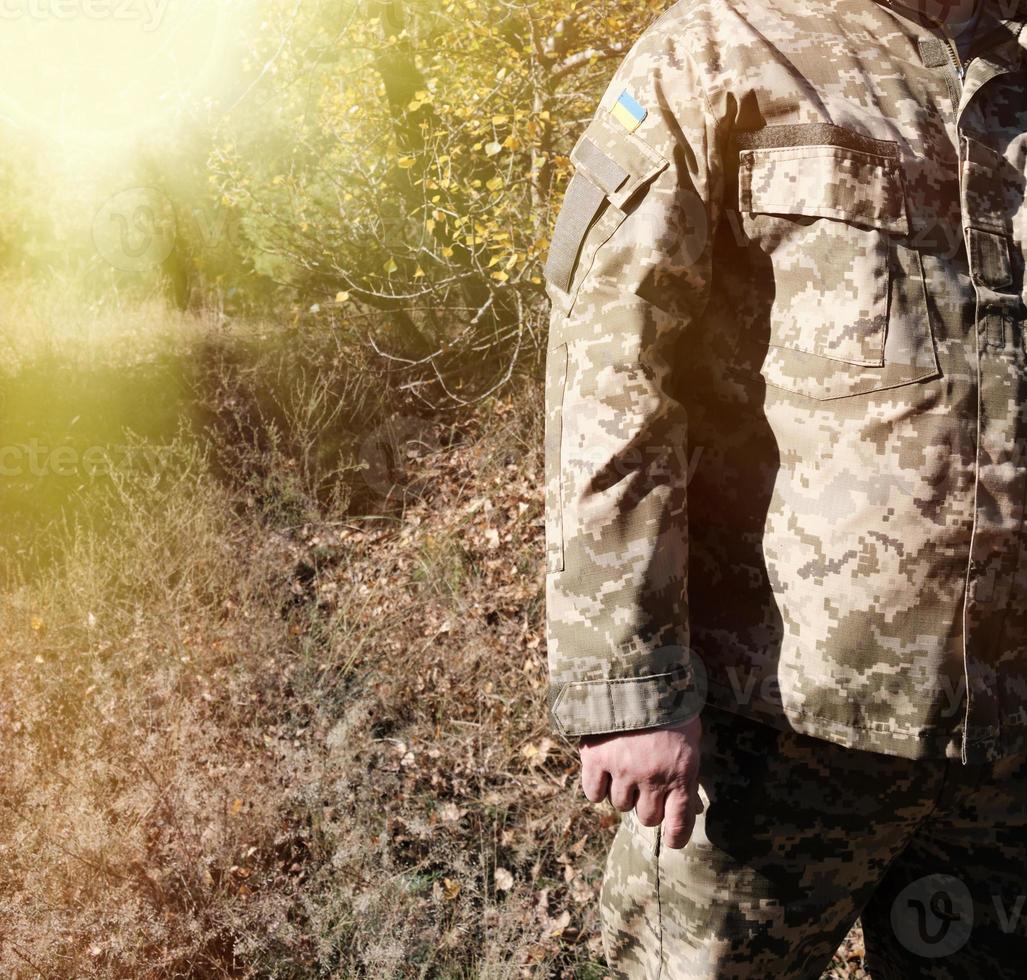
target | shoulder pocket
x=826, y=207
x=611, y=166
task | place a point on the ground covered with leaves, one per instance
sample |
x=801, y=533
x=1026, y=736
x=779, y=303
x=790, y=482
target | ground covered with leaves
x=253, y=730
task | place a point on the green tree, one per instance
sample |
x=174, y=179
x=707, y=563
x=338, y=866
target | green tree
x=403, y=162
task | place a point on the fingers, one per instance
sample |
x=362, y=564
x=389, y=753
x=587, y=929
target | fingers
x=679, y=818
x=623, y=794
x=595, y=781
x=649, y=806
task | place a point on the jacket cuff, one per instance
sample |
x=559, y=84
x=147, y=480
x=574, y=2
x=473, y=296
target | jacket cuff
x=625, y=703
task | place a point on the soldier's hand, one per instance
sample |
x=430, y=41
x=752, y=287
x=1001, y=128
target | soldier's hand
x=653, y=770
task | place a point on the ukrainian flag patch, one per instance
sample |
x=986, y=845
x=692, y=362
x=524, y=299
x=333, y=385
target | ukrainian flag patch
x=627, y=111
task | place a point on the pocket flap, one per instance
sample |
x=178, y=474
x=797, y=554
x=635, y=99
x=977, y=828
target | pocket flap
x=617, y=161
x=860, y=186
x=992, y=189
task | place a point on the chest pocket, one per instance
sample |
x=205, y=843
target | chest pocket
x=824, y=210
x=611, y=166
x=993, y=200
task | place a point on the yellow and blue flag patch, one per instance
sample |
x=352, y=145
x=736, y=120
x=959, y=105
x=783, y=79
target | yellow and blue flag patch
x=627, y=111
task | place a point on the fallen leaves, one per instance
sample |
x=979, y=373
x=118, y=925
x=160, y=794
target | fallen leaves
x=536, y=755
x=447, y=890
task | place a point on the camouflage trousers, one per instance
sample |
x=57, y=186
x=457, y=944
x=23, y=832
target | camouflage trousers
x=798, y=838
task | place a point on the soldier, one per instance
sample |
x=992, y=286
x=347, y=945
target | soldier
x=786, y=423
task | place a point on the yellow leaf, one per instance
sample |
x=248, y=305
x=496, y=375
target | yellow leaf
x=405, y=162
x=390, y=266
x=500, y=276
x=236, y=807
x=491, y=149
x=37, y=623
x=494, y=184
x=498, y=120
x=450, y=888
x=447, y=252
x=341, y=297
x=418, y=272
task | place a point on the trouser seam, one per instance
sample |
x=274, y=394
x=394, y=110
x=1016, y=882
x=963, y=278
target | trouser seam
x=659, y=903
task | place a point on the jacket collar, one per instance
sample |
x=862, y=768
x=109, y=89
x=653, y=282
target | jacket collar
x=1001, y=42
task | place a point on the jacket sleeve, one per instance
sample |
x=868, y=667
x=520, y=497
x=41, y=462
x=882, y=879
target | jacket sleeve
x=628, y=272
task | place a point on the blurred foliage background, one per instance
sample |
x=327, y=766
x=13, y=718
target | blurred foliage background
x=380, y=175
x=393, y=164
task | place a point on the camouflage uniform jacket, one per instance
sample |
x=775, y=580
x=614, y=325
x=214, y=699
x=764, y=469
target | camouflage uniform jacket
x=786, y=381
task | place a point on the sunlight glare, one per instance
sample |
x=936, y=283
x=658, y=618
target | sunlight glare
x=93, y=75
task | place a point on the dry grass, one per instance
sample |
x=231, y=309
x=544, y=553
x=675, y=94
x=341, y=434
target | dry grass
x=261, y=730
x=57, y=318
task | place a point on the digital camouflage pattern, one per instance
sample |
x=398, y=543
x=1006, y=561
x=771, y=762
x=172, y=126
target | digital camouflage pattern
x=798, y=837
x=786, y=382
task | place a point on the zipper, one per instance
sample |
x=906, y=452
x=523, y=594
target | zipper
x=950, y=45
x=954, y=58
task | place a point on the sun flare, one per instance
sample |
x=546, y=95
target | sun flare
x=92, y=75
